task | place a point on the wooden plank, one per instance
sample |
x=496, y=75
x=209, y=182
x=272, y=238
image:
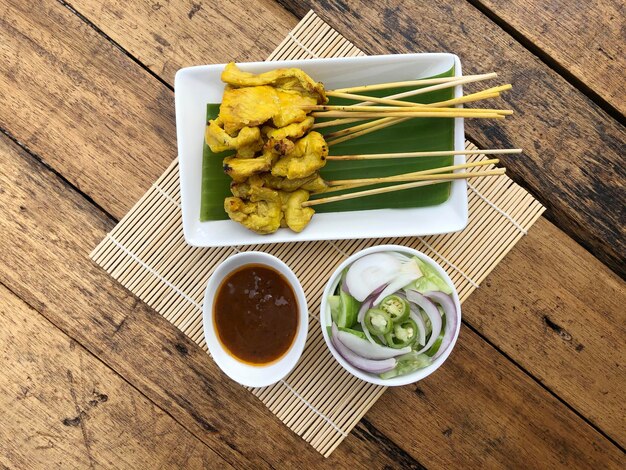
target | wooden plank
x=77, y=100
x=560, y=313
x=50, y=228
x=134, y=173
x=586, y=38
x=573, y=150
x=188, y=32
x=479, y=411
x=61, y=407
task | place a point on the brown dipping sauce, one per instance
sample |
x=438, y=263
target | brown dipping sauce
x=256, y=314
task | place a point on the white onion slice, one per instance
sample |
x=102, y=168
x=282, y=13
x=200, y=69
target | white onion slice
x=365, y=349
x=369, y=273
x=367, y=365
x=402, y=257
x=452, y=318
x=431, y=311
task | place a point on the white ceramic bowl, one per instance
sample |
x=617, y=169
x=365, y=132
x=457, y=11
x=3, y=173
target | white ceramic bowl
x=246, y=374
x=325, y=318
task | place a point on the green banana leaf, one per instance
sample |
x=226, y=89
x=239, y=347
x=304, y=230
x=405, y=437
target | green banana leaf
x=414, y=135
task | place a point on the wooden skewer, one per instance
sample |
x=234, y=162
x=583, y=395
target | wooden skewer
x=400, y=109
x=336, y=122
x=389, y=189
x=419, y=91
x=430, y=114
x=389, y=120
x=383, y=86
x=340, y=185
x=437, y=153
x=366, y=128
x=417, y=176
x=481, y=95
x=374, y=99
x=362, y=129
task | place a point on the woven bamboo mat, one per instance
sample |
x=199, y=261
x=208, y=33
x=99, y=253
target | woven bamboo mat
x=146, y=252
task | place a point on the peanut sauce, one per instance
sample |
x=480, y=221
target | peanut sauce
x=256, y=314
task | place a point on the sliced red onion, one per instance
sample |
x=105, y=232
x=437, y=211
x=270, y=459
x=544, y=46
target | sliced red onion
x=366, y=332
x=431, y=311
x=367, y=365
x=421, y=326
x=365, y=349
x=452, y=318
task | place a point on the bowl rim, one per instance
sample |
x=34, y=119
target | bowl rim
x=241, y=372
x=324, y=315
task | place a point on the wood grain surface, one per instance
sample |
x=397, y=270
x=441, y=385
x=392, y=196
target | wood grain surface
x=190, y=32
x=487, y=414
x=44, y=264
x=102, y=123
x=79, y=102
x=62, y=408
x=585, y=38
x=572, y=149
x=572, y=307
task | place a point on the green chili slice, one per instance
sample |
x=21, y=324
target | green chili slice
x=402, y=334
x=378, y=322
x=397, y=308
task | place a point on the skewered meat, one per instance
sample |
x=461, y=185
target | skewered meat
x=247, y=142
x=249, y=107
x=296, y=216
x=284, y=79
x=280, y=147
x=291, y=131
x=264, y=118
x=262, y=212
x=253, y=106
x=240, y=168
x=291, y=108
x=308, y=156
x=313, y=183
x=255, y=207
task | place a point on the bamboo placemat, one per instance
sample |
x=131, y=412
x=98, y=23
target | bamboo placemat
x=147, y=253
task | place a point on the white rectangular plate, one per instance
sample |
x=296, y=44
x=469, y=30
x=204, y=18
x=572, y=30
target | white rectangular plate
x=197, y=86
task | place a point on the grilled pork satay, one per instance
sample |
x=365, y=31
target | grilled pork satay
x=308, y=156
x=292, y=79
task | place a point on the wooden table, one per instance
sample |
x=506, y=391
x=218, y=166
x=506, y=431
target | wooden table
x=93, y=378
